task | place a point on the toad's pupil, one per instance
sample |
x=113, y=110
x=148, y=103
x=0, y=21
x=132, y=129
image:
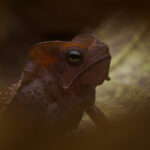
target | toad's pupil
x=74, y=56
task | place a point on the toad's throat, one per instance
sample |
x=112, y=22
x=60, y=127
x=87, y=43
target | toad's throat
x=104, y=58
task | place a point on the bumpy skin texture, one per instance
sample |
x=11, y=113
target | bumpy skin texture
x=54, y=92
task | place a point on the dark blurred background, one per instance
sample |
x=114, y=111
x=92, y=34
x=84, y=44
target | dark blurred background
x=23, y=23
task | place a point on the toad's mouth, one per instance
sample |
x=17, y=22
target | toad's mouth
x=94, y=77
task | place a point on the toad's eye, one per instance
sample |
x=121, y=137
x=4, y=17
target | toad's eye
x=74, y=56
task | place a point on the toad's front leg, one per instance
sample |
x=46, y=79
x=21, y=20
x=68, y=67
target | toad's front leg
x=97, y=116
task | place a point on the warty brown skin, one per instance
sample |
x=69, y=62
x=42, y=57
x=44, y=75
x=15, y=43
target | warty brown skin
x=58, y=84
